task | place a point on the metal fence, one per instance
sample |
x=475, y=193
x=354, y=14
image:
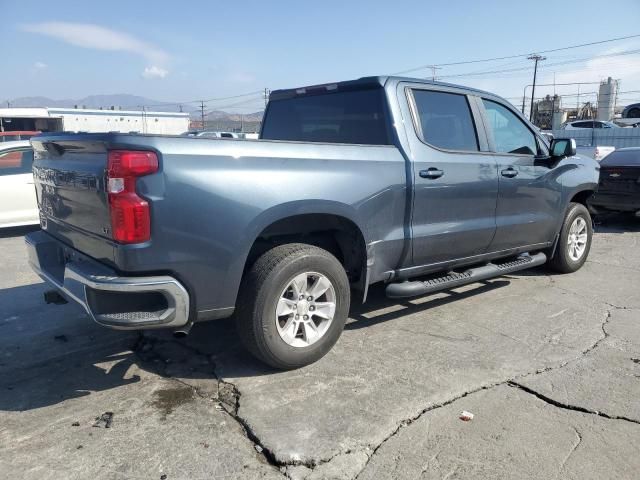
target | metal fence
x=591, y=137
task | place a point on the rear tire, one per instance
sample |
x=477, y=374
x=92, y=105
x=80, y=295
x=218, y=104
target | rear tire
x=574, y=242
x=634, y=113
x=275, y=323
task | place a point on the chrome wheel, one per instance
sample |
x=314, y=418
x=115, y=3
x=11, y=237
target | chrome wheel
x=305, y=309
x=577, y=240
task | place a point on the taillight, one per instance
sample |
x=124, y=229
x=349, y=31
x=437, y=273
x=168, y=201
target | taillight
x=130, y=218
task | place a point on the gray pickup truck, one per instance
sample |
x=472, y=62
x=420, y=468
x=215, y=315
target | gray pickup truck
x=421, y=185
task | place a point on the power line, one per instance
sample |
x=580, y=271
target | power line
x=507, y=57
x=565, y=62
x=205, y=100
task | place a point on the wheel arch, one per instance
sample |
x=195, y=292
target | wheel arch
x=330, y=225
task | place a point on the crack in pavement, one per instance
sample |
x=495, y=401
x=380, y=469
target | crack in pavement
x=227, y=394
x=230, y=398
x=566, y=406
x=571, y=452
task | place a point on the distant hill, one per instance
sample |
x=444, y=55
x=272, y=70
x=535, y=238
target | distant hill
x=129, y=102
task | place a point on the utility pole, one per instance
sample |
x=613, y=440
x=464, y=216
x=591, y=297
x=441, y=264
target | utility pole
x=433, y=71
x=266, y=97
x=202, y=113
x=537, y=59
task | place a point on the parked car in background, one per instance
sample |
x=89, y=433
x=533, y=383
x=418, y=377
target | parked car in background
x=217, y=134
x=631, y=111
x=580, y=124
x=380, y=179
x=18, y=205
x=619, y=185
x=210, y=134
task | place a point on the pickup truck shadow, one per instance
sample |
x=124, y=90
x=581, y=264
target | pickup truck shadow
x=363, y=316
x=57, y=353
x=49, y=354
x=17, y=231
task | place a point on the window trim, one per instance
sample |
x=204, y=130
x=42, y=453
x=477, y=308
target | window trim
x=417, y=125
x=490, y=137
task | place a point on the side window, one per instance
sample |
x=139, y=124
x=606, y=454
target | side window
x=445, y=120
x=510, y=134
x=16, y=162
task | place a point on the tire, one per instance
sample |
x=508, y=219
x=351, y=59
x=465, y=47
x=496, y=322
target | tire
x=568, y=256
x=273, y=282
x=634, y=113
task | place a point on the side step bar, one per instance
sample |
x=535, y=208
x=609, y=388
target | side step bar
x=453, y=280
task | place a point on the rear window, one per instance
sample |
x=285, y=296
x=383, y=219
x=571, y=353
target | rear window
x=356, y=116
x=621, y=158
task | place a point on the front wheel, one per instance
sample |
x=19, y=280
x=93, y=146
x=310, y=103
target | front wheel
x=574, y=242
x=293, y=304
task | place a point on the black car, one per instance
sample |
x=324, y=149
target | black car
x=619, y=186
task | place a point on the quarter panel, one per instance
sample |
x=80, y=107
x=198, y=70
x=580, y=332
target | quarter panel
x=218, y=195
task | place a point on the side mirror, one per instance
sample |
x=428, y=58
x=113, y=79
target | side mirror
x=563, y=147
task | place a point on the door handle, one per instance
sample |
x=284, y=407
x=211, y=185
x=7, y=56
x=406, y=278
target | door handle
x=509, y=172
x=431, y=173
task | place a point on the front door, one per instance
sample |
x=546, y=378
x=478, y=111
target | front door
x=456, y=183
x=529, y=196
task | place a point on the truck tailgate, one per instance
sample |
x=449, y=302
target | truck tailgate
x=70, y=176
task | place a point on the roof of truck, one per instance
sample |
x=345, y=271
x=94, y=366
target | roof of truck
x=380, y=80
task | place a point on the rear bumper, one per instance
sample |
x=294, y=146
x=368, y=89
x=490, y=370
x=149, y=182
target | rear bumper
x=126, y=303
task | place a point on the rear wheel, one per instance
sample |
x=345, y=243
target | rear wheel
x=292, y=306
x=575, y=240
x=634, y=113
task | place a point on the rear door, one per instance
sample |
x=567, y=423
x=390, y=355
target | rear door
x=456, y=182
x=529, y=197
x=18, y=204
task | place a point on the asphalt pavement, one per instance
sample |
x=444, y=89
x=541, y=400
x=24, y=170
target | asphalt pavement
x=548, y=365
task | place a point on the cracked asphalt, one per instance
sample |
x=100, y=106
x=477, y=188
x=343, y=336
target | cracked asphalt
x=548, y=364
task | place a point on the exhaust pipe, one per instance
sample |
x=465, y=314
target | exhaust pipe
x=183, y=331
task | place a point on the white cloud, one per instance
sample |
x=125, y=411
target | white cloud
x=154, y=72
x=39, y=65
x=87, y=35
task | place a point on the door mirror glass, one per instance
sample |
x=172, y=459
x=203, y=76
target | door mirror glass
x=563, y=147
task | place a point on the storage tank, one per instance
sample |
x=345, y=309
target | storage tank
x=607, y=99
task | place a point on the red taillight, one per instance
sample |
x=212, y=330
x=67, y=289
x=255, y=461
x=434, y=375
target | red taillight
x=130, y=218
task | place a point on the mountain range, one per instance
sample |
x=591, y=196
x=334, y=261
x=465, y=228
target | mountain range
x=129, y=102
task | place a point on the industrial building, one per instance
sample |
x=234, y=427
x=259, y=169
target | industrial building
x=86, y=120
x=548, y=113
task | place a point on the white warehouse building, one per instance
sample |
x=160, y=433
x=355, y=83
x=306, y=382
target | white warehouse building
x=87, y=120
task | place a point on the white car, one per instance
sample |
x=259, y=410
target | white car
x=18, y=205
x=582, y=124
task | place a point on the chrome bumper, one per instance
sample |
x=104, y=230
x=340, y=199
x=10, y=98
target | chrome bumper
x=126, y=303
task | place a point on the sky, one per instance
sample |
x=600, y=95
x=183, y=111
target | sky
x=185, y=51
